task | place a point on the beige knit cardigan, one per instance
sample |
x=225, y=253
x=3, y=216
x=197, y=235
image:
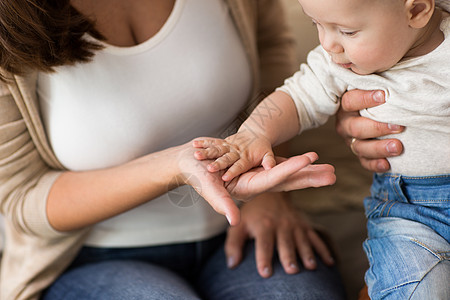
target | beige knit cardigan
x=35, y=254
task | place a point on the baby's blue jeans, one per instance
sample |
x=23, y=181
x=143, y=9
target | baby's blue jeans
x=408, y=237
x=186, y=271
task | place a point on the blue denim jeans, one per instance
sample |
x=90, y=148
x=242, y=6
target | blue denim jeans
x=185, y=271
x=408, y=237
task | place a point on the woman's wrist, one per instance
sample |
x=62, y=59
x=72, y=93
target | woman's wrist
x=181, y=157
x=167, y=164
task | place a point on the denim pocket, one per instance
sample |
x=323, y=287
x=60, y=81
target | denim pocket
x=429, y=191
x=422, y=199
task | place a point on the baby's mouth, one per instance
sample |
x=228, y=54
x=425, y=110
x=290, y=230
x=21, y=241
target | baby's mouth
x=344, y=65
x=347, y=65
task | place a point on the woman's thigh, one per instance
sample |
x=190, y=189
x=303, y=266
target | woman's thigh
x=119, y=279
x=216, y=281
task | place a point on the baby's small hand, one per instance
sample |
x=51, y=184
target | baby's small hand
x=223, y=153
x=235, y=154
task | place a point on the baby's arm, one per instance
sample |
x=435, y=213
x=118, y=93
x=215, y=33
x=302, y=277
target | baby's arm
x=274, y=121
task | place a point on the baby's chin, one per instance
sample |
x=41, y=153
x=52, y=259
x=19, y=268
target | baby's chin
x=360, y=71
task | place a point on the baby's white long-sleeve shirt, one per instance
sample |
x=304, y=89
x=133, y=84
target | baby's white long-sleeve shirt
x=417, y=96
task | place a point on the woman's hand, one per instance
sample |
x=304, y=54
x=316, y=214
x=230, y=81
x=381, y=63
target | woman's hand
x=359, y=132
x=289, y=174
x=271, y=219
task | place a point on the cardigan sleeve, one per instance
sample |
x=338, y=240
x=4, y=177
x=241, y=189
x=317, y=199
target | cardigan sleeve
x=25, y=179
x=34, y=252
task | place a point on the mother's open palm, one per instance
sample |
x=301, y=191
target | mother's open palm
x=289, y=174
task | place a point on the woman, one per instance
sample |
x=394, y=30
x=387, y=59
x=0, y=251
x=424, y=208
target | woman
x=93, y=187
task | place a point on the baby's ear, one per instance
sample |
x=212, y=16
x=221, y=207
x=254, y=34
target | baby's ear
x=419, y=12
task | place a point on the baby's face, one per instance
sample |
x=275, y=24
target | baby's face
x=366, y=36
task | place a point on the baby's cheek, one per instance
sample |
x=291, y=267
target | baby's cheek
x=376, y=59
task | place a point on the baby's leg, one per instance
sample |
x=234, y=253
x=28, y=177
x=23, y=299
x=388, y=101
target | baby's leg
x=408, y=260
x=435, y=284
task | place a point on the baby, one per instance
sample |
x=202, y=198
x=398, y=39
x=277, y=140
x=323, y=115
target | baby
x=403, y=48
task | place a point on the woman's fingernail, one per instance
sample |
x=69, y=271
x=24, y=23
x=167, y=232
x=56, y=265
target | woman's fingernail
x=394, y=128
x=230, y=262
x=312, y=262
x=330, y=260
x=228, y=219
x=266, y=271
x=378, y=96
x=392, y=148
x=293, y=266
x=382, y=167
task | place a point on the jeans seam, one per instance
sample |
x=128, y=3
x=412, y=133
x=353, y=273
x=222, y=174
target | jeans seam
x=389, y=210
x=426, y=247
x=417, y=281
x=401, y=285
x=426, y=177
x=382, y=209
x=424, y=275
x=415, y=177
x=433, y=200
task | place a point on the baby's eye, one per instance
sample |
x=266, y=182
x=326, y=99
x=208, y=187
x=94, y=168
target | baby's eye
x=348, y=33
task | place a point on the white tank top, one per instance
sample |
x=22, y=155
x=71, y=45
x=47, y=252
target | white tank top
x=191, y=79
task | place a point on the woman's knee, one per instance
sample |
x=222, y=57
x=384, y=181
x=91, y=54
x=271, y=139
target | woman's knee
x=244, y=282
x=121, y=279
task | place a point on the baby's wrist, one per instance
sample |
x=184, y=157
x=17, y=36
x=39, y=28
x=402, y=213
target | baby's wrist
x=247, y=136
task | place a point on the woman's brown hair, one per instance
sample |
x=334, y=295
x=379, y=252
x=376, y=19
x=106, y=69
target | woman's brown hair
x=43, y=34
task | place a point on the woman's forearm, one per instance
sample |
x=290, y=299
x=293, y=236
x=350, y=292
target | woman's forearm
x=79, y=199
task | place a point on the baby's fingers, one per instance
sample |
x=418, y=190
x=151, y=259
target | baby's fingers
x=211, y=150
x=223, y=162
x=239, y=167
x=268, y=161
x=206, y=142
